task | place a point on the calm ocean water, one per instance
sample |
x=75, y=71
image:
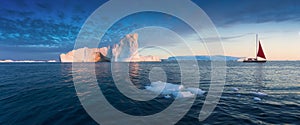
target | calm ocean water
x=44, y=93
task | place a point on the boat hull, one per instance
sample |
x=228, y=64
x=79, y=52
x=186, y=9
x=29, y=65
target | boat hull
x=255, y=61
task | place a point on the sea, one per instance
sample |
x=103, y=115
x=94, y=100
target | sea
x=46, y=93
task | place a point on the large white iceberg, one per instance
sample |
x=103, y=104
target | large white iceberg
x=125, y=51
x=86, y=55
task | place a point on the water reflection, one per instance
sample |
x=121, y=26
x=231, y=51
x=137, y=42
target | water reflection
x=259, y=77
x=134, y=69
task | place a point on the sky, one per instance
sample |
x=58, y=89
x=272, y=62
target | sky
x=43, y=29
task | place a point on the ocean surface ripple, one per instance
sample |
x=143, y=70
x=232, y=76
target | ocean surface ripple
x=44, y=93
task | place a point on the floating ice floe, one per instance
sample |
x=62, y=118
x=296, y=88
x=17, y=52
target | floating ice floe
x=178, y=91
x=256, y=99
x=196, y=91
x=259, y=94
x=235, y=89
x=167, y=96
x=164, y=88
x=184, y=94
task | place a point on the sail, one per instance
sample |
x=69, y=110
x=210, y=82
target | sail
x=260, y=52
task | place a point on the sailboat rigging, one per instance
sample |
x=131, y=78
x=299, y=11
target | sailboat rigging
x=260, y=53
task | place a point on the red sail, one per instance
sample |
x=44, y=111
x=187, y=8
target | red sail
x=260, y=52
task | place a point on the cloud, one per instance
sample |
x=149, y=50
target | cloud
x=44, y=6
x=235, y=37
x=36, y=32
x=194, y=37
x=20, y=3
x=230, y=12
x=40, y=28
x=61, y=15
x=52, y=26
x=77, y=18
x=16, y=13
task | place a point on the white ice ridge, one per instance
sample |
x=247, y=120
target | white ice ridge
x=178, y=91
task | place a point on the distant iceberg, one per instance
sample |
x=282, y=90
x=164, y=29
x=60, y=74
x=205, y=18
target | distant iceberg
x=6, y=61
x=177, y=91
x=51, y=61
x=25, y=61
x=203, y=58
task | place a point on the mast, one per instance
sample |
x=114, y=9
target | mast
x=256, y=46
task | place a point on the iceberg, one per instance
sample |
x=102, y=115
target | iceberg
x=204, y=58
x=25, y=61
x=196, y=91
x=125, y=51
x=184, y=94
x=86, y=55
x=6, y=61
x=51, y=61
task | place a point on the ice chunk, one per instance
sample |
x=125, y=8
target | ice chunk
x=259, y=94
x=256, y=99
x=184, y=94
x=164, y=88
x=167, y=96
x=154, y=89
x=235, y=89
x=178, y=91
x=196, y=91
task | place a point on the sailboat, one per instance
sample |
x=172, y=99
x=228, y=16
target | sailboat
x=260, y=53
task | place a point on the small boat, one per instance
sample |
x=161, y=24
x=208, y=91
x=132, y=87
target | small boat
x=260, y=53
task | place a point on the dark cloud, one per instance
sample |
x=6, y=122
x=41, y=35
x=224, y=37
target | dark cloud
x=44, y=6
x=78, y=8
x=223, y=38
x=77, y=18
x=230, y=12
x=16, y=13
x=61, y=15
x=20, y=3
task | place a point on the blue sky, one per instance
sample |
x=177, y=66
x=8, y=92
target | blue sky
x=42, y=29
